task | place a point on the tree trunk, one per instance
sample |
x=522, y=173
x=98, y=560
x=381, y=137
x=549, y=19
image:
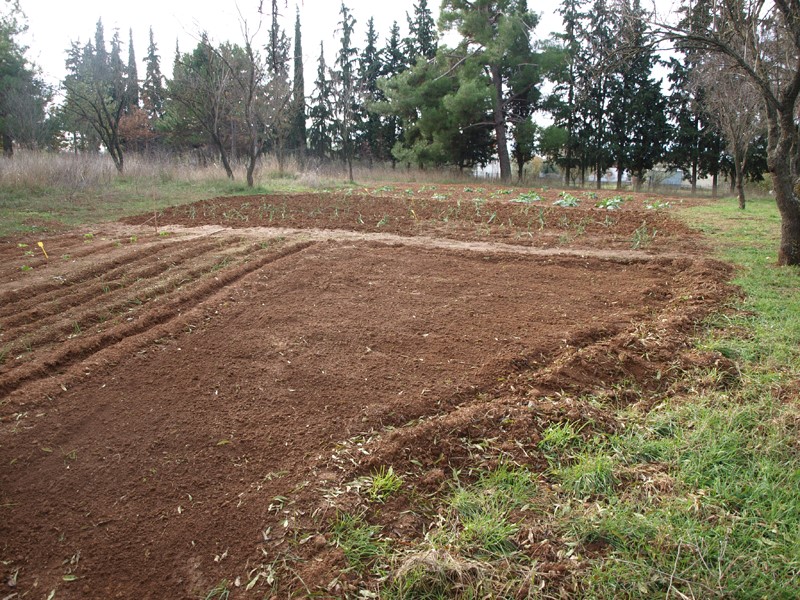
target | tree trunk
x=223, y=156
x=8, y=146
x=786, y=184
x=619, y=175
x=500, y=124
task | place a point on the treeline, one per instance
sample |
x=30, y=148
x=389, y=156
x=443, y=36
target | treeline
x=408, y=99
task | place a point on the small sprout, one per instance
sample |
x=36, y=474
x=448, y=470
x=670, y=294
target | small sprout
x=133, y=239
x=26, y=268
x=88, y=237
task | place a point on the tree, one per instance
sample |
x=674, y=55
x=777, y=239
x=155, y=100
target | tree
x=199, y=98
x=393, y=63
x=320, y=111
x=264, y=99
x=446, y=113
x=23, y=95
x=422, y=40
x=594, y=84
x=732, y=101
x=277, y=64
x=693, y=132
x=347, y=89
x=95, y=97
x=524, y=146
x=638, y=124
x=372, y=143
x=561, y=104
x=496, y=39
x=762, y=39
x=298, y=137
x=153, y=85
x=131, y=78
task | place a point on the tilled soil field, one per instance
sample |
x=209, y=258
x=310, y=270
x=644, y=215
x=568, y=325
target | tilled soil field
x=186, y=407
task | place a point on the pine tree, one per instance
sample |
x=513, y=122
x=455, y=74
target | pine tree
x=153, y=85
x=496, y=40
x=131, y=78
x=320, y=111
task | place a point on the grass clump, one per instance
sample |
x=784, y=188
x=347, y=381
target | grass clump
x=383, y=484
x=591, y=475
x=360, y=541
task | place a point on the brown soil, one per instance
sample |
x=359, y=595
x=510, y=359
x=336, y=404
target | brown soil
x=177, y=409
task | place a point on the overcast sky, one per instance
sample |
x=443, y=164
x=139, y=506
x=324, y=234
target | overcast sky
x=53, y=24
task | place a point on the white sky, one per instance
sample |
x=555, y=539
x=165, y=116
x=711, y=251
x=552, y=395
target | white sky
x=53, y=24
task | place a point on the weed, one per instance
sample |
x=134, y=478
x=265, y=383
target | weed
x=221, y=591
x=383, y=484
x=643, y=236
x=26, y=268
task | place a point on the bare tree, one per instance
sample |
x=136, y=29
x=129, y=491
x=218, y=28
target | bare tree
x=762, y=38
x=200, y=88
x=734, y=103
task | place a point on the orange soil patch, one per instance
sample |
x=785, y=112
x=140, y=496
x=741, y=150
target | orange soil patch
x=165, y=398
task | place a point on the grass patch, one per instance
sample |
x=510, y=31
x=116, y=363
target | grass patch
x=360, y=541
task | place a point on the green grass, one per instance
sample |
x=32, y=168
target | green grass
x=360, y=541
x=730, y=525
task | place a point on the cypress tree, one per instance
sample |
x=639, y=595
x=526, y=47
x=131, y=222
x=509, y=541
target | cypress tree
x=422, y=40
x=298, y=136
x=370, y=67
x=321, y=111
x=153, y=85
x=131, y=78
